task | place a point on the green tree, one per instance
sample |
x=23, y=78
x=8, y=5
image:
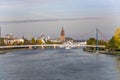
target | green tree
x=91, y=41
x=2, y=42
x=102, y=42
x=114, y=43
x=33, y=41
x=49, y=42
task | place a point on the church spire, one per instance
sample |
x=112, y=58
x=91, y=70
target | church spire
x=62, y=36
x=62, y=32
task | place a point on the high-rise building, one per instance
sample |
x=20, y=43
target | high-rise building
x=62, y=36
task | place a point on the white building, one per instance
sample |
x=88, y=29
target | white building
x=13, y=41
x=9, y=39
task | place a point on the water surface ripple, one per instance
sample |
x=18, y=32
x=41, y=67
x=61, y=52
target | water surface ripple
x=58, y=64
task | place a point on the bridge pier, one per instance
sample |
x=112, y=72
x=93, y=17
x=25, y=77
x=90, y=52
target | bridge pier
x=42, y=47
x=30, y=47
x=54, y=46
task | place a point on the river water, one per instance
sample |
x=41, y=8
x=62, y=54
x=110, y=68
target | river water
x=58, y=64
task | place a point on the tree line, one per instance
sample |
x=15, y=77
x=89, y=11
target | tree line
x=33, y=41
x=112, y=45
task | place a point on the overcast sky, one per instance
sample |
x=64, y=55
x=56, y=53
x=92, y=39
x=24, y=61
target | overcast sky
x=79, y=18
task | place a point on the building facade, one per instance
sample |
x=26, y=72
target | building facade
x=10, y=40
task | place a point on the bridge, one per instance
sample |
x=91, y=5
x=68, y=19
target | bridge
x=51, y=45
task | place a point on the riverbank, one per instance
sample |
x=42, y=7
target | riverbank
x=3, y=51
x=12, y=50
x=115, y=53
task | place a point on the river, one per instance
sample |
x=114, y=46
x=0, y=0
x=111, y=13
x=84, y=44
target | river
x=58, y=64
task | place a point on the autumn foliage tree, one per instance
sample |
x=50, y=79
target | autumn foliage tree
x=114, y=43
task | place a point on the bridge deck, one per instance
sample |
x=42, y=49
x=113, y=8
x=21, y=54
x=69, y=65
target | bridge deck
x=51, y=45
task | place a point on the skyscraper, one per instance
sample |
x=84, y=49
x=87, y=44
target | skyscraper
x=62, y=36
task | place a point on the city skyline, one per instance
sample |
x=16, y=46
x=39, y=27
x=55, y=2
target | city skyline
x=78, y=17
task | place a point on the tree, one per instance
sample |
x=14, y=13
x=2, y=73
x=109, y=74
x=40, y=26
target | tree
x=33, y=41
x=26, y=42
x=111, y=44
x=39, y=41
x=20, y=43
x=2, y=42
x=102, y=42
x=15, y=43
x=114, y=43
x=49, y=42
x=91, y=41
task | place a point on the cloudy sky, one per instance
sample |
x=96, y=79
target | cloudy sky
x=79, y=18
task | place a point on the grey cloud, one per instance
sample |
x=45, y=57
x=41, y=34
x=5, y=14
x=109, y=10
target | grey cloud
x=49, y=20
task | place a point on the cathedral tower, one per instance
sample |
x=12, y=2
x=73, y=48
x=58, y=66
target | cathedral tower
x=62, y=36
